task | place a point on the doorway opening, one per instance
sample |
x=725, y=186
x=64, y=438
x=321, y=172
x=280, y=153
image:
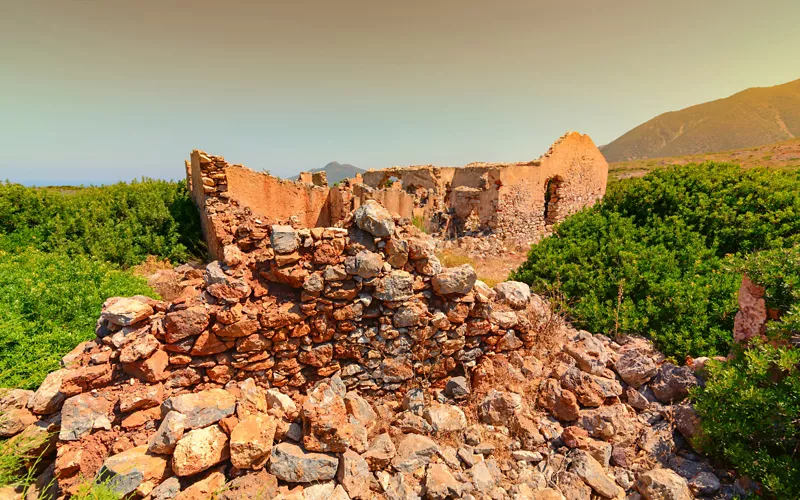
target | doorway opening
x=552, y=198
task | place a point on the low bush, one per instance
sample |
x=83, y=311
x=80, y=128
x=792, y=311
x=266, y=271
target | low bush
x=659, y=255
x=750, y=414
x=49, y=303
x=778, y=271
x=122, y=223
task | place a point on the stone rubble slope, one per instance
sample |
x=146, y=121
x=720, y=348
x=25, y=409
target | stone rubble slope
x=346, y=363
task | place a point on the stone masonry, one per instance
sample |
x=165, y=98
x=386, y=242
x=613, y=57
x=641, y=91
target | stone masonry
x=518, y=202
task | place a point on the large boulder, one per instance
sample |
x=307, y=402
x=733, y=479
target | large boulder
x=83, y=413
x=126, y=471
x=593, y=474
x=455, y=280
x=514, y=294
x=291, y=463
x=125, y=311
x=284, y=239
x=663, y=484
x=200, y=450
x=202, y=408
x=374, y=219
x=673, y=383
x=251, y=441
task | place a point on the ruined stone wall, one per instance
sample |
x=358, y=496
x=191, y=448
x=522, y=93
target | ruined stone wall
x=268, y=198
x=508, y=199
x=516, y=201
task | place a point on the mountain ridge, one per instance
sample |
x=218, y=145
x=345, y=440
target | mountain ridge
x=749, y=118
x=336, y=172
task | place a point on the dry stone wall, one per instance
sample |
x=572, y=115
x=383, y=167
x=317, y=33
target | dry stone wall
x=346, y=363
x=513, y=201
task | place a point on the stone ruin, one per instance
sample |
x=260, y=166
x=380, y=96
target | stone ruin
x=312, y=363
x=516, y=202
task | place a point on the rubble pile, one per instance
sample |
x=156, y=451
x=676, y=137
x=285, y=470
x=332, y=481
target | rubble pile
x=346, y=363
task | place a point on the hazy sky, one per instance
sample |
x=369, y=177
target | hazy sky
x=95, y=91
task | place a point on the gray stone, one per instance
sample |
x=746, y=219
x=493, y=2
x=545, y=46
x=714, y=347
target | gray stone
x=48, y=398
x=455, y=280
x=673, y=383
x=635, y=368
x=663, y=484
x=413, y=452
x=396, y=286
x=457, y=387
x=705, y=484
x=440, y=483
x=365, y=264
x=414, y=401
x=169, y=433
x=202, y=408
x=593, y=474
x=374, y=219
x=293, y=464
x=167, y=490
x=284, y=239
x=126, y=471
x=515, y=294
x=83, y=413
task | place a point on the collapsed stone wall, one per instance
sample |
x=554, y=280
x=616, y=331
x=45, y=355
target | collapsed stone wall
x=514, y=201
x=369, y=298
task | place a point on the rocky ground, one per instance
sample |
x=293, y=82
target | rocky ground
x=596, y=419
x=338, y=363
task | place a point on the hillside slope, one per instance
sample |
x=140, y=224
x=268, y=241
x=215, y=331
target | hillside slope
x=753, y=117
x=784, y=155
x=336, y=171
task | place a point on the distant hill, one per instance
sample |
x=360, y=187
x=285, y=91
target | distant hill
x=753, y=117
x=336, y=171
x=783, y=155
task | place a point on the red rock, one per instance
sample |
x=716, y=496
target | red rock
x=152, y=369
x=84, y=379
x=318, y=356
x=251, y=441
x=208, y=343
x=141, y=397
x=200, y=450
x=141, y=417
x=241, y=328
x=185, y=323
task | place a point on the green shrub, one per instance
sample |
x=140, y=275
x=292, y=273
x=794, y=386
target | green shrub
x=49, y=303
x=658, y=256
x=749, y=409
x=778, y=271
x=122, y=223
